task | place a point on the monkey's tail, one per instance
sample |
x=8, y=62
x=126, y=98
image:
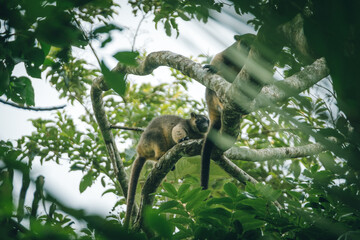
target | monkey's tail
x=205, y=161
x=134, y=177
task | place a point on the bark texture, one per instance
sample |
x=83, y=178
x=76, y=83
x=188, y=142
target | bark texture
x=235, y=101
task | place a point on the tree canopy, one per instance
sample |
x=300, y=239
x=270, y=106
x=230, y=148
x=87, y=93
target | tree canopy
x=289, y=165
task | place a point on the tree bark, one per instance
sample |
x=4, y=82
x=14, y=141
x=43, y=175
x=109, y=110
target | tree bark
x=97, y=88
x=268, y=154
x=229, y=94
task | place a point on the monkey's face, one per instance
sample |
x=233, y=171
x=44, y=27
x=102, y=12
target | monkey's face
x=201, y=122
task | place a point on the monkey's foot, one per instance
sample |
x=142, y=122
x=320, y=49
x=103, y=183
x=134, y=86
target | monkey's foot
x=210, y=68
x=184, y=139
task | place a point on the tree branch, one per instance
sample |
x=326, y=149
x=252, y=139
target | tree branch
x=297, y=83
x=158, y=173
x=32, y=108
x=276, y=92
x=127, y=128
x=292, y=85
x=193, y=148
x=267, y=154
x=104, y=125
x=238, y=173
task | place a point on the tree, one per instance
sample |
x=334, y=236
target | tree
x=297, y=178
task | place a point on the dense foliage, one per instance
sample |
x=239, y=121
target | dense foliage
x=319, y=193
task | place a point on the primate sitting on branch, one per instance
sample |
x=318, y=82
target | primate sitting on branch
x=161, y=134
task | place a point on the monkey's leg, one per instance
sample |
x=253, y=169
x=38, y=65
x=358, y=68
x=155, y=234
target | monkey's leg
x=134, y=177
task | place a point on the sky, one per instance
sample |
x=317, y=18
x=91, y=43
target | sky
x=195, y=38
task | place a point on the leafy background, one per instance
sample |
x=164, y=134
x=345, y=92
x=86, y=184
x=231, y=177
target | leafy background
x=321, y=193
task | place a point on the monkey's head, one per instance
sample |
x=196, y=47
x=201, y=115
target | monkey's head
x=244, y=41
x=201, y=122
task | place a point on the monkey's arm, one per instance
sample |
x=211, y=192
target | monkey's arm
x=179, y=134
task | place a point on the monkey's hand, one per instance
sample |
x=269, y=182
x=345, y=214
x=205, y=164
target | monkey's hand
x=183, y=139
x=210, y=68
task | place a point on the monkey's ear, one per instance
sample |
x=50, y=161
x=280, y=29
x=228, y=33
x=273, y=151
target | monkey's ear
x=193, y=115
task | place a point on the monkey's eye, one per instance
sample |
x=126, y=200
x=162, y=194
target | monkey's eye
x=202, y=120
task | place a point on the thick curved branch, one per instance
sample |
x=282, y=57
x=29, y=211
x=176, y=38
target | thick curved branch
x=104, y=125
x=181, y=63
x=158, y=173
x=234, y=171
x=292, y=85
x=32, y=108
x=193, y=148
x=296, y=83
x=267, y=154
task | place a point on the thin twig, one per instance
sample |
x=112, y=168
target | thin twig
x=86, y=38
x=127, y=128
x=33, y=108
x=137, y=31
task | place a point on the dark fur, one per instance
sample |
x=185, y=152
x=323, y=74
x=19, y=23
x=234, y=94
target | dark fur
x=227, y=64
x=161, y=134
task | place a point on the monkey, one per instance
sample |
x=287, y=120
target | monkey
x=227, y=64
x=160, y=135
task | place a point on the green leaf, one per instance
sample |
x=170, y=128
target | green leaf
x=181, y=220
x=225, y=201
x=216, y=223
x=106, y=29
x=166, y=194
x=183, y=189
x=26, y=91
x=177, y=211
x=170, y=188
x=111, y=190
x=268, y=192
x=33, y=71
x=106, y=41
x=35, y=56
x=103, y=181
x=250, y=223
x=327, y=161
x=189, y=195
x=230, y=189
x=45, y=48
x=76, y=167
x=157, y=223
x=127, y=58
x=250, y=188
x=258, y=204
x=167, y=205
x=49, y=28
x=183, y=16
x=183, y=234
x=86, y=182
x=219, y=213
x=197, y=199
x=29, y=95
x=168, y=28
x=115, y=80
x=295, y=168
